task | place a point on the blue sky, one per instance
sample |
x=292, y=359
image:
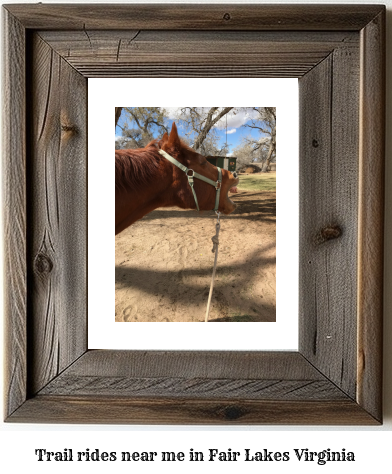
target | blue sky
x=235, y=129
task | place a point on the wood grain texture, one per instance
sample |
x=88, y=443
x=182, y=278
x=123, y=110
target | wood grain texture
x=14, y=208
x=371, y=216
x=329, y=201
x=179, y=374
x=205, y=364
x=209, y=387
x=191, y=387
x=194, y=53
x=119, y=410
x=193, y=17
x=58, y=215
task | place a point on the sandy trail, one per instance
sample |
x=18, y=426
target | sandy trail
x=164, y=264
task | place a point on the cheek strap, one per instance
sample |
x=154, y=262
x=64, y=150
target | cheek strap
x=192, y=174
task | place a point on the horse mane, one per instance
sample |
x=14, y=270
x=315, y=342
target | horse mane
x=137, y=167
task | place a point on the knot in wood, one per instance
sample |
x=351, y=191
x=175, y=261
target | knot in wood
x=43, y=264
x=68, y=128
x=315, y=143
x=328, y=233
x=227, y=16
x=232, y=412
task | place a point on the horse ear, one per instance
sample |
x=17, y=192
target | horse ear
x=163, y=140
x=174, y=139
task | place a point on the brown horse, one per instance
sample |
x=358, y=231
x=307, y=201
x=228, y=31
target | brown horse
x=146, y=180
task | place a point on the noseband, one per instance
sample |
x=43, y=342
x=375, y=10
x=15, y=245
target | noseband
x=217, y=184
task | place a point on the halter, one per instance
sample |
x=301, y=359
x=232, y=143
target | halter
x=217, y=184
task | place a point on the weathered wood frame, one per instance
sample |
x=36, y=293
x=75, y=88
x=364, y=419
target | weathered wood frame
x=337, y=52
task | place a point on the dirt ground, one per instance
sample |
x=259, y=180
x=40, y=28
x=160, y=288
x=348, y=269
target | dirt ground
x=164, y=264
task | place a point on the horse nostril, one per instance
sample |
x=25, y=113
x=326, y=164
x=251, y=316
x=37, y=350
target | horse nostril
x=235, y=174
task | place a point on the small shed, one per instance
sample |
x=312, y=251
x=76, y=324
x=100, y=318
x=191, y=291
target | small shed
x=225, y=162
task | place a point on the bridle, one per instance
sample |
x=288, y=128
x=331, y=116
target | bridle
x=217, y=184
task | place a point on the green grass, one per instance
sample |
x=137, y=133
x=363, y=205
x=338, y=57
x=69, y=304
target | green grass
x=258, y=182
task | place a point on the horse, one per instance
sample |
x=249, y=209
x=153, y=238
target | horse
x=168, y=173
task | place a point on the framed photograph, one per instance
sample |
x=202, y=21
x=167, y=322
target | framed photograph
x=337, y=54
x=165, y=255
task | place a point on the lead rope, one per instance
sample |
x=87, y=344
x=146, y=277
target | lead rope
x=215, y=240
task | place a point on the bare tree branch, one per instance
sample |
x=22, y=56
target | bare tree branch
x=140, y=124
x=265, y=122
x=209, y=123
x=118, y=111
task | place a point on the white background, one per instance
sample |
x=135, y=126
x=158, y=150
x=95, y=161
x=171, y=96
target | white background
x=371, y=445
x=104, y=332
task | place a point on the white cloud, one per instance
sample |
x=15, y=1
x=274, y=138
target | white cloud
x=172, y=112
x=236, y=120
x=233, y=130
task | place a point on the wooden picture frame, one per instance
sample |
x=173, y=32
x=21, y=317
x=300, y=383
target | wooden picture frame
x=338, y=54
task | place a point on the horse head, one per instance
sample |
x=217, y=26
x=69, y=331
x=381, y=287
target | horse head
x=206, y=193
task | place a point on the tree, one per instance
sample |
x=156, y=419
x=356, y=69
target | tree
x=199, y=123
x=139, y=126
x=265, y=122
x=244, y=153
x=117, y=114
